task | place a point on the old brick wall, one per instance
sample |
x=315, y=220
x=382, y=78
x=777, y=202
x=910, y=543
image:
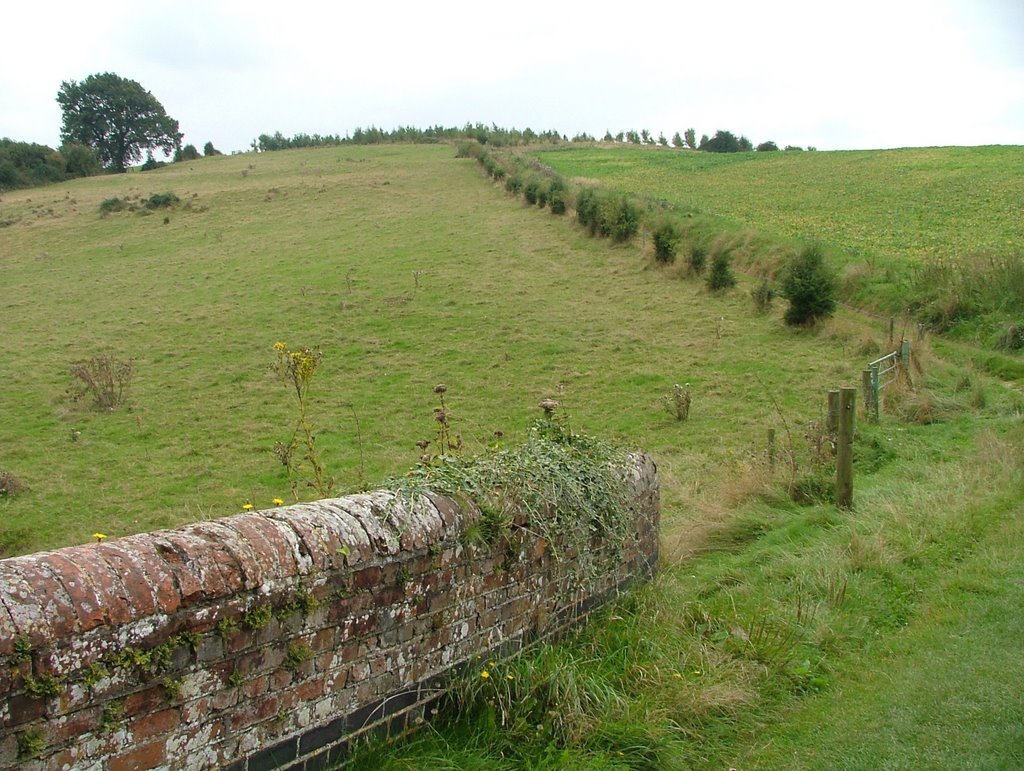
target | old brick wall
x=271, y=639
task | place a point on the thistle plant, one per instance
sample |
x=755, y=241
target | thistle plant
x=677, y=403
x=297, y=368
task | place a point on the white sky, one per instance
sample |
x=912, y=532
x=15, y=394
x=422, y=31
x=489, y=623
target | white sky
x=869, y=74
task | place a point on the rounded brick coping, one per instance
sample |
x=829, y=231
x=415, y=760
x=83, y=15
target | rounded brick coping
x=51, y=595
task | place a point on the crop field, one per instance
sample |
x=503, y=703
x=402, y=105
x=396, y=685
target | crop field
x=874, y=206
x=407, y=268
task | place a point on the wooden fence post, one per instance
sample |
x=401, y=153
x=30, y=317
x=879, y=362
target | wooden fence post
x=832, y=422
x=844, y=448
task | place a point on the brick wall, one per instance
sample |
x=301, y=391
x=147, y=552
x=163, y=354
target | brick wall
x=272, y=639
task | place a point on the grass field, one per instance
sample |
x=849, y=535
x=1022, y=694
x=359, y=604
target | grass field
x=876, y=206
x=408, y=269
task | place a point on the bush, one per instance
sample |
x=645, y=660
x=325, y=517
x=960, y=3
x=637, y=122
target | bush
x=111, y=205
x=698, y=259
x=557, y=196
x=80, y=160
x=210, y=150
x=721, y=276
x=103, y=378
x=514, y=184
x=810, y=287
x=618, y=218
x=586, y=208
x=666, y=240
x=767, y=147
x=161, y=200
x=531, y=191
x=1012, y=339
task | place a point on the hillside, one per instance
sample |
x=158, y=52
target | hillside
x=774, y=613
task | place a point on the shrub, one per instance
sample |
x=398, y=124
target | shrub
x=531, y=190
x=767, y=147
x=210, y=150
x=586, y=208
x=618, y=218
x=161, y=200
x=514, y=184
x=698, y=259
x=111, y=205
x=666, y=240
x=721, y=276
x=810, y=287
x=557, y=195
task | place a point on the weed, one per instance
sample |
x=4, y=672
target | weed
x=31, y=744
x=296, y=654
x=297, y=368
x=226, y=627
x=112, y=715
x=561, y=483
x=93, y=673
x=763, y=294
x=43, y=686
x=258, y=617
x=104, y=378
x=677, y=403
x=22, y=649
x=235, y=679
x=172, y=688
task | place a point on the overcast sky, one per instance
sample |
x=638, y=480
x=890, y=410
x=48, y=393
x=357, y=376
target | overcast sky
x=865, y=74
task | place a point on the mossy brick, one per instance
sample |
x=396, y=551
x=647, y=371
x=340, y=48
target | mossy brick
x=39, y=606
x=125, y=562
x=141, y=757
x=272, y=549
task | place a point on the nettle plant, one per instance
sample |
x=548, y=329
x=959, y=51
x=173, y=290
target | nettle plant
x=297, y=368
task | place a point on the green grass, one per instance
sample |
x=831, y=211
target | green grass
x=872, y=205
x=320, y=248
x=408, y=270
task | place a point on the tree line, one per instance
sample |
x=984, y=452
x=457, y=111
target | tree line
x=109, y=123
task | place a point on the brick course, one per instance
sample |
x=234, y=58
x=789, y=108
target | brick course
x=271, y=639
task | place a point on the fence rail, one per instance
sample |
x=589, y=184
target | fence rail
x=879, y=373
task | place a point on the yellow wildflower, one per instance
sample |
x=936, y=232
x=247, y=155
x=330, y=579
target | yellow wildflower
x=247, y=506
x=99, y=536
x=280, y=347
x=510, y=677
x=277, y=501
x=485, y=674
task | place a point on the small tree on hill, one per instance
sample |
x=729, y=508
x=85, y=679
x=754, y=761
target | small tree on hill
x=677, y=141
x=691, y=138
x=721, y=276
x=666, y=240
x=810, y=287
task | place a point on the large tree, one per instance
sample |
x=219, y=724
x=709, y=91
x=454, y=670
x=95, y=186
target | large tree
x=116, y=117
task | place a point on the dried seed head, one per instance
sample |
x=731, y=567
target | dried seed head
x=548, y=405
x=440, y=388
x=423, y=444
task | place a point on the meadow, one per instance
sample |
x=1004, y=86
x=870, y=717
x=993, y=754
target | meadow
x=407, y=268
